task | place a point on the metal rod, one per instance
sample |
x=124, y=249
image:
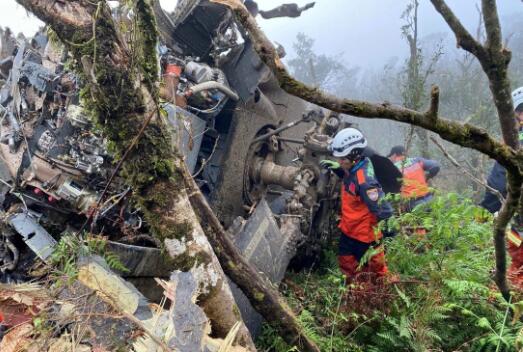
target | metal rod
x=278, y=130
x=291, y=140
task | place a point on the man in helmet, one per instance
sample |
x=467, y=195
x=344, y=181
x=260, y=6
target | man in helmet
x=497, y=179
x=416, y=171
x=362, y=206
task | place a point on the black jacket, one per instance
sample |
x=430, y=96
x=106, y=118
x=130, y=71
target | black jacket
x=497, y=179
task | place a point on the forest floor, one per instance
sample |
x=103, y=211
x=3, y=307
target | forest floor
x=444, y=300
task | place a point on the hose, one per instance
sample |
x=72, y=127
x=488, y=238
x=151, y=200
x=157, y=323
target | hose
x=214, y=85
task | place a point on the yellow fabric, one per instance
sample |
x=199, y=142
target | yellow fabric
x=514, y=238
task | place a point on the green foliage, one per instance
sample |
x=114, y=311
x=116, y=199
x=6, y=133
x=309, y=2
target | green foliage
x=64, y=260
x=445, y=299
x=320, y=317
x=271, y=341
x=70, y=248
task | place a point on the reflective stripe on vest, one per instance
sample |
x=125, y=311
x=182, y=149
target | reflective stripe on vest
x=514, y=238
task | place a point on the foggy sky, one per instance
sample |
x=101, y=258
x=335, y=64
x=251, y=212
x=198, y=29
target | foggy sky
x=366, y=32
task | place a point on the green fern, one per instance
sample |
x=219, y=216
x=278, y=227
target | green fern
x=445, y=301
x=114, y=262
x=64, y=258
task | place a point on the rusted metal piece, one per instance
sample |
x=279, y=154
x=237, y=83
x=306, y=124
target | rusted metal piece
x=270, y=173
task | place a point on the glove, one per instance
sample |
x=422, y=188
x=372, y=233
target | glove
x=329, y=164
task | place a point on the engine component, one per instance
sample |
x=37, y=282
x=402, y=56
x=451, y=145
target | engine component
x=78, y=195
x=214, y=85
x=198, y=72
x=207, y=90
x=86, y=152
x=303, y=180
x=268, y=172
x=46, y=141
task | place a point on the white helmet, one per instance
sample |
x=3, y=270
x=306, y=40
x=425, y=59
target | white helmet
x=349, y=142
x=517, y=97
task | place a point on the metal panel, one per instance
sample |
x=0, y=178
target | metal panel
x=244, y=70
x=192, y=129
x=265, y=247
x=262, y=244
x=34, y=235
x=141, y=261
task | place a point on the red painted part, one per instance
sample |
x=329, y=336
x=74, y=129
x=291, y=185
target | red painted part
x=15, y=313
x=173, y=70
x=37, y=191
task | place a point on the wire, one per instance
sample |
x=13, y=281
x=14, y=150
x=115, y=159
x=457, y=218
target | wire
x=207, y=111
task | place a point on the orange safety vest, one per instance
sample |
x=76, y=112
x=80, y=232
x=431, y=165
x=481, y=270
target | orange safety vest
x=357, y=221
x=414, y=179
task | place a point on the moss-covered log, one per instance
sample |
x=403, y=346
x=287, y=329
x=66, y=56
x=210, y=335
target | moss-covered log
x=121, y=95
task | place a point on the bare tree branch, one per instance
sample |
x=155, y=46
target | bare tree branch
x=492, y=25
x=494, y=60
x=464, y=39
x=500, y=227
x=434, y=104
x=466, y=171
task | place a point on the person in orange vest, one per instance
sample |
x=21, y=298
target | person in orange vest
x=416, y=171
x=497, y=179
x=362, y=207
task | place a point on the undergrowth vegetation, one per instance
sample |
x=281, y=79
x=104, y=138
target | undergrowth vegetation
x=444, y=300
x=71, y=248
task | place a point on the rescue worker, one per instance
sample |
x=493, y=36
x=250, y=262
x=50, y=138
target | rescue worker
x=498, y=174
x=362, y=207
x=497, y=179
x=416, y=171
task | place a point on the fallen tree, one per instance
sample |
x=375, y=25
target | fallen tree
x=122, y=95
x=494, y=59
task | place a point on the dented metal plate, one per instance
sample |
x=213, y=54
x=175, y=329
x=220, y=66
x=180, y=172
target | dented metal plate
x=34, y=235
x=266, y=248
x=262, y=243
